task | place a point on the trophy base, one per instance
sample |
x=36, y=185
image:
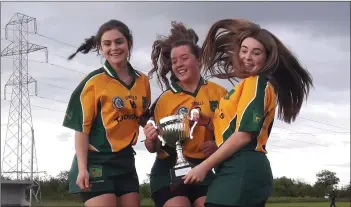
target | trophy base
x=177, y=174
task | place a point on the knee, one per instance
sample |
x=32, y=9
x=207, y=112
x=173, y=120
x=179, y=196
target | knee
x=200, y=202
x=179, y=201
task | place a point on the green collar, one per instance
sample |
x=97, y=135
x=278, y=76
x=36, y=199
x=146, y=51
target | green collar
x=175, y=88
x=110, y=71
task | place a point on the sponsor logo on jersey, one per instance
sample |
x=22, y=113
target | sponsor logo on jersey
x=131, y=97
x=119, y=119
x=196, y=103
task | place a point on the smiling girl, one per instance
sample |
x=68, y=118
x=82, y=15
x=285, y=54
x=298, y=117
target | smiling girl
x=271, y=77
x=105, y=110
x=179, y=55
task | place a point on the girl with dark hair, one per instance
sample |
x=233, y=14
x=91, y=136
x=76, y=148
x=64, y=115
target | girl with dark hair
x=271, y=76
x=105, y=110
x=179, y=55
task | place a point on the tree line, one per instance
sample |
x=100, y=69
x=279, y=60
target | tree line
x=56, y=188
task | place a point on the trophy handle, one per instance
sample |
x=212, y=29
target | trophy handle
x=195, y=123
x=159, y=137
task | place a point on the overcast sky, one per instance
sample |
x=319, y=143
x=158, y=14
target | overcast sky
x=318, y=33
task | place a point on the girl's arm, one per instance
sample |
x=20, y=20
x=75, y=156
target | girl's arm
x=81, y=147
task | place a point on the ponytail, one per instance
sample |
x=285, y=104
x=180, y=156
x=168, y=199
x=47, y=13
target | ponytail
x=89, y=44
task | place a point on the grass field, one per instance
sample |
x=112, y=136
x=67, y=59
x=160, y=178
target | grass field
x=148, y=203
x=311, y=204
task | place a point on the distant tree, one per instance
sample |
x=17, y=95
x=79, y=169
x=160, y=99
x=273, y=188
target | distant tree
x=147, y=180
x=5, y=177
x=283, y=187
x=63, y=177
x=326, y=181
x=144, y=191
x=345, y=192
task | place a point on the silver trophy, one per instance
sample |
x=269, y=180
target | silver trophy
x=174, y=131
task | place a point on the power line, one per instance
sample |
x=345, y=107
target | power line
x=56, y=40
x=62, y=42
x=324, y=129
x=56, y=86
x=55, y=65
x=48, y=108
x=41, y=107
x=48, y=84
x=42, y=97
x=65, y=43
x=293, y=140
x=324, y=123
x=70, y=69
x=310, y=133
x=312, y=143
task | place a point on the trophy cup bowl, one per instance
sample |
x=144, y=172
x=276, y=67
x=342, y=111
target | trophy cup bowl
x=174, y=131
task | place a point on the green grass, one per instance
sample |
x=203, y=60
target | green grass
x=310, y=204
x=149, y=203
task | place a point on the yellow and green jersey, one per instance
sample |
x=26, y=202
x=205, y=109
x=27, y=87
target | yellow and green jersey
x=177, y=101
x=107, y=109
x=249, y=107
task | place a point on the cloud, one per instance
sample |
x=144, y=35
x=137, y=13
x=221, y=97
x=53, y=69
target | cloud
x=343, y=165
x=306, y=163
x=318, y=35
x=64, y=136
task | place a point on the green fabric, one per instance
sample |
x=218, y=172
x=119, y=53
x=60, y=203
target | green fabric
x=131, y=71
x=104, y=169
x=74, y=115
x=177, y=89
x=244, y=180
x=251, y=120
x=160, y=175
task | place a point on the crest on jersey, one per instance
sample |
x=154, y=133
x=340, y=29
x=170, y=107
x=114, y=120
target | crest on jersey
x=213, y=105
x=117, y=102
x=183, y=110
x=256, y=117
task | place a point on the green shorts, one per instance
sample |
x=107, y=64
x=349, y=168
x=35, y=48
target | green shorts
x=245, y=179
x=108, y=172
x=160, y=176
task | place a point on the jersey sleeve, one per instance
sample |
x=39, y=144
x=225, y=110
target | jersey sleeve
x=146, y=102
x=82, y=108
x=148, y=94
x=157, y=111
x=251, y=105
x=221, y=92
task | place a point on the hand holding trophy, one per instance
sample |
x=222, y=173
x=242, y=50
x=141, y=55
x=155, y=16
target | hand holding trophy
x=174, y=131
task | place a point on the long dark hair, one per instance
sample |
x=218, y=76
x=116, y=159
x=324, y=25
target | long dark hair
x=161, y=51
x=291, y=81
x=94, y=42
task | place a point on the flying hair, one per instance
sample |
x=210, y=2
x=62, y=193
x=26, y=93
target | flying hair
x=220, y=58
x=161, y=51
